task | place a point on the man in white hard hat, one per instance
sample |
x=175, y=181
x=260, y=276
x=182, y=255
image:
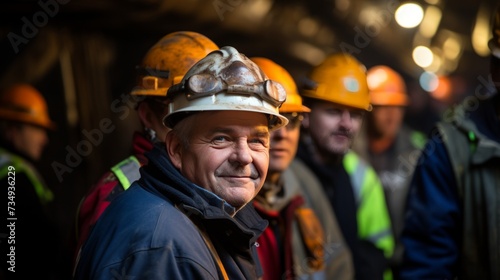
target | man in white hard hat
x=187, y=217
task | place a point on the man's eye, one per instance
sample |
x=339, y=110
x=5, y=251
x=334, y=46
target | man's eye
x=334, y=111
x=259, y=141
x=255, y=140
x=219, y=139
x=357, y=115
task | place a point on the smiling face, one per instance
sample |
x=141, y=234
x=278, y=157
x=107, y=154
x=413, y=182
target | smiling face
x=333, y=127
x=225, y=152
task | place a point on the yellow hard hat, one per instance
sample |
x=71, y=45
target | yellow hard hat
x=275, y=72
x=494, y=43
x=340, y=79
x=387, y=87
x=23, y=103
x=168, y=60
x=226, y=80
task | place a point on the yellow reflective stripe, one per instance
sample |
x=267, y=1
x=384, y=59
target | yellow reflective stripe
x=44, y=194
x=373, y=218
x=127, y=171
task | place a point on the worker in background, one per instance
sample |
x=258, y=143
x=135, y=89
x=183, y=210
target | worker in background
x=337, y=94
x=303, y=238
x=391, y=147
x=163, y=65
x=452, y=225
x=29, y=238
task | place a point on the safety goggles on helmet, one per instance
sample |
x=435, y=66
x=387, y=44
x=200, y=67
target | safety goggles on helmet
x=226, y=80
x=201, y=85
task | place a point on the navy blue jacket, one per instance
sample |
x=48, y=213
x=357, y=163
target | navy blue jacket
x=433, y=234
x=143, y=234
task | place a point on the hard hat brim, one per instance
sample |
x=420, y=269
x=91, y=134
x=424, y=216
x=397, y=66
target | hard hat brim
x=23, y=118
x=223, y=102
x=388, y=99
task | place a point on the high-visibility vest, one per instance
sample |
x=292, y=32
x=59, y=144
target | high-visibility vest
x=21, y=166
x=373, y=218
x=127, y=171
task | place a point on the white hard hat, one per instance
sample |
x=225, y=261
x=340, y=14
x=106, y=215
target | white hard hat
x=226, y=80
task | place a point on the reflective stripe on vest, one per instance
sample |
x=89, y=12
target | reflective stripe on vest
x=359, y=173
x=127, y=171
x=7, y=159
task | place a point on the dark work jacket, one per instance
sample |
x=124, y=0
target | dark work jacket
x=30, y=241
x=452, y=226
x=369, y=261
x=148, y=232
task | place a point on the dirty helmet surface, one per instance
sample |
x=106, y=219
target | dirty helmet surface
x=226, y=80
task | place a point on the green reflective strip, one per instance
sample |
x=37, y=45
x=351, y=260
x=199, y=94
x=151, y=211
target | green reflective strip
x=44, y=194
x=373, y=219
x=127, y=171
x=418, y=139
x=473, y=141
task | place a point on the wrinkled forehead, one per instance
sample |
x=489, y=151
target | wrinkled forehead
x=230, y=121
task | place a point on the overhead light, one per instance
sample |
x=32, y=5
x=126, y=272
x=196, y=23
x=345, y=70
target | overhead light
x=481, y=32
x=433, y=2
x=409, y=15
x=428, y=81
x=436, y=64
x=343, y=5
x=422, y=56
x=452, y=48
x=430, y=21
x=443, y=88
x=307, y=26
x=307, y=52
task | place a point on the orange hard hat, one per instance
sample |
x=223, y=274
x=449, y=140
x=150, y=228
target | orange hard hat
x=23, y=103
x=386, y=86
x=275, y=72
x=340, y=79
x=169, y=59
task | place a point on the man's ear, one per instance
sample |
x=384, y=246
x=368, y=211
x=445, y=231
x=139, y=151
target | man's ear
x=145, y=114
x=174, y=149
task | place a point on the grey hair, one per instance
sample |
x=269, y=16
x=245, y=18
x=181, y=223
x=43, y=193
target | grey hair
x=184, y=129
